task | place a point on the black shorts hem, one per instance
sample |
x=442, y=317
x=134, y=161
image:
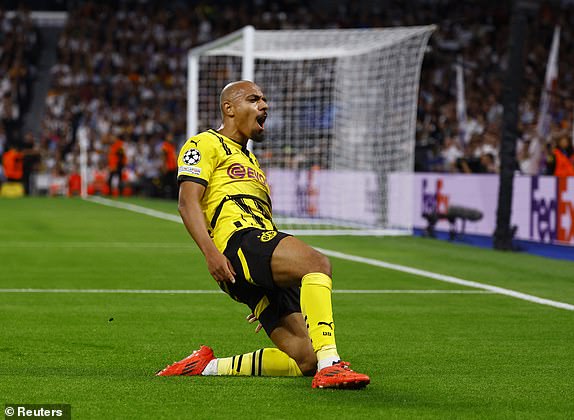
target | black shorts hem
x=249, y=251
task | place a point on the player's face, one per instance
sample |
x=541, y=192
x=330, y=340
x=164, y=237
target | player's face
x=251, y=112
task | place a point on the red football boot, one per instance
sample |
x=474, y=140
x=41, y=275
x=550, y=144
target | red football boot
x=340, y=376
x=191, y=365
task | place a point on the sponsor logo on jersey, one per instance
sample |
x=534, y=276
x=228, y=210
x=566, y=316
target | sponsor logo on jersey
x=238, y=171
x=194, y=170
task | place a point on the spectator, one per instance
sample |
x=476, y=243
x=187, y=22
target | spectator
x=18, y=51
x=451, y=152
x=529, y=151
x=561, y=160
x=10, y=116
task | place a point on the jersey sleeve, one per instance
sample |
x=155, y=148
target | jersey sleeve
x=197, y=160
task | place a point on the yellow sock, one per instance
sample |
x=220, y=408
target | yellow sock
x=263, y=362
x=318, y=312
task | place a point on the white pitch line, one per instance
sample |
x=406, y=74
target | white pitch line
x=315, y=232
x=209, y=292
x=114, y=291
x=135, y=208
x=373, y=262
x=415, y=292
x=448, y=279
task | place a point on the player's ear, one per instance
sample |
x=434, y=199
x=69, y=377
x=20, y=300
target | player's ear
x=228, y=109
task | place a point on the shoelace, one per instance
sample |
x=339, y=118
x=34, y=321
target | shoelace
x=343, y=365
x=339, y=367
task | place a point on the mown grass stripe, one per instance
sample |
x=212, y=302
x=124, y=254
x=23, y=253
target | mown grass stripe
x=199, y=292
x=377, y=263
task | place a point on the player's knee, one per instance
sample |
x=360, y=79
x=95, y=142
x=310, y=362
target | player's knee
x=322, y=264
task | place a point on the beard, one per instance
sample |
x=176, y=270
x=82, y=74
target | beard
x=258, y=137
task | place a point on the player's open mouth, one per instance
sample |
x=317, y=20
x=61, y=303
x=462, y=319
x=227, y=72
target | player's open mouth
x=261, y=120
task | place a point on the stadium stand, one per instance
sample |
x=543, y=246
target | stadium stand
x=121, y=73
x=19, y=45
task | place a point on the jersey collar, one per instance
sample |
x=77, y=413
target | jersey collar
x=230, y=141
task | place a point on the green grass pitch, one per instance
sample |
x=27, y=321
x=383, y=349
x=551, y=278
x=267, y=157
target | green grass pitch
x=436, y=355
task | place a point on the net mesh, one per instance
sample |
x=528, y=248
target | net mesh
x=342, y=115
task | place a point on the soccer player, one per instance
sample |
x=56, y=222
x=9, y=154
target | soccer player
x=225, y=205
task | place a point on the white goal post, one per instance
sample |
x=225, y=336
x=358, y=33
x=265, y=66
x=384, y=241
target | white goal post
x=342, y=117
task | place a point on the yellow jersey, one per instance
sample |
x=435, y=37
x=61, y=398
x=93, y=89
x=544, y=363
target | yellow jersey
x=237, y=195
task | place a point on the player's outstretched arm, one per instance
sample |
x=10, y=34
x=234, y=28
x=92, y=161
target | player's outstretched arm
x=190, y=194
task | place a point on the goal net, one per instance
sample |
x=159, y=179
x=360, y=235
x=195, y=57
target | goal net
x=342, y=115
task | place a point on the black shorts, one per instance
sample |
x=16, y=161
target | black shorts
x=249, y=251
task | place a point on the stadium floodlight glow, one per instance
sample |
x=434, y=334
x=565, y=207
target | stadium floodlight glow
x=342, y=115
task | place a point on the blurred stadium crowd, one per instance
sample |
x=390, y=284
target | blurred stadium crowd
x=119, y=84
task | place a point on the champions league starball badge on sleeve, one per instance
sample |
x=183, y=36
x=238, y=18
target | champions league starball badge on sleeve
x=192, y=157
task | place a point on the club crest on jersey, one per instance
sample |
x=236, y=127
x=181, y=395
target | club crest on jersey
x=192, y=157
x=267, y=235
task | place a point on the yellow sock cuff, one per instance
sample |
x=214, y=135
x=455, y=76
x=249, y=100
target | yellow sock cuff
x=317, y=279
x=262, y=362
